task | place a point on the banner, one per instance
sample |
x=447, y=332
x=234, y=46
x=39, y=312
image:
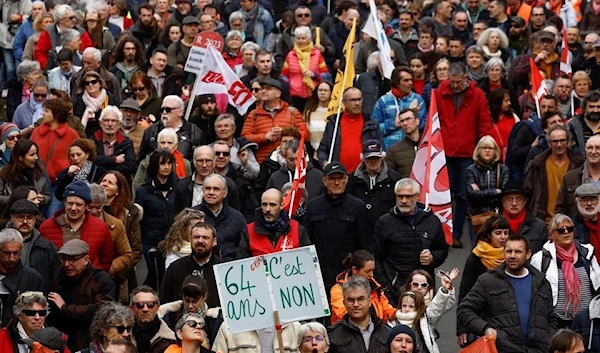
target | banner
x=537, y=85
x=217, y=77
x=344, y=79
x=290, y=282
x=565, y=56
x=430, y=171
x=197, y=54
x=292, y=201
x=374, y=29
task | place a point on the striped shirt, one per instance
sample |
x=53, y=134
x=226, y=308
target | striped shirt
x=586, y=292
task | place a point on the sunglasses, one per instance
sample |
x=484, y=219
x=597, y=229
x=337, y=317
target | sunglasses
x=71, y=18
x=565, y=230
x=194, y=323
x=422, y=285
x=222, y=153
x=14, y=137
x=70, y=259
x=141, y=305
x=319, y=338
x=138, y=89
x=121, y=329
x=90, y=83
x=32, y=313
x=40, y=95
x=166, y=109
x=303, y=15
x=255, y=89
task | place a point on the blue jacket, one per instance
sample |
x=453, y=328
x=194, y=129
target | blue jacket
x=23, y=115
x=387, y=108
x=24, y=32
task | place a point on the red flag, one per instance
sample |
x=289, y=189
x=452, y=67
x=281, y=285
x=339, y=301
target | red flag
x=565, y=56
x=292, y=201
x=430, y=171
x=537, y=81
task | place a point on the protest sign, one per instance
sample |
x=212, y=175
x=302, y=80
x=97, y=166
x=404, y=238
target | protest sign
x=198, y=50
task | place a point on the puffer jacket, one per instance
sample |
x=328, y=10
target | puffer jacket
x=386, y=111
x=158, y=211
x=487, y=197
x=53, y=146
x=397, y=244
x=93, y=231
x=130, y=217
x=377, y=194
x=346, y=337
x=22, y=279
x=586, y=323
x=336, y=227
x=292, y=73
x=492, y=303
x=286, y=44
x=401, y=156
x=190, y=136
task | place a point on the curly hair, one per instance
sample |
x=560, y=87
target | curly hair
x=180, y=230
x=109, y=315
x=140, y=59
x=86, y=145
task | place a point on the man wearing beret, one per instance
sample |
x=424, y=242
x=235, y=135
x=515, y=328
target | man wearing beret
x=74, y=222
x=77, y=293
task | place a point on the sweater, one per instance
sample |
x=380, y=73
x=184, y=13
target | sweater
x=522, y=285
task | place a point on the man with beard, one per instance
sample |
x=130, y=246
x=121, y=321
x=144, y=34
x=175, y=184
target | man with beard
x=183, y=9
x=406, y=34
x=562, y=89
x=146, y=29
x=200, y=263
x=129, y=58
x=585, y=220
x=589, y=172
x=273, y=229
x=131, y=126
x=150, y=333
x=518, y=36
x=204, y=115
x=460, y=26
x=587, y=124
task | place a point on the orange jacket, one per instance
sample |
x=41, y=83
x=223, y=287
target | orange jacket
x=259, y=122
x=524, y=11
x=379, y=302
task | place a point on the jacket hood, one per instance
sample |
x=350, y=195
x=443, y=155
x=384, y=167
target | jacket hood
x=361, y=172
x=595, y=308
x=243, y=143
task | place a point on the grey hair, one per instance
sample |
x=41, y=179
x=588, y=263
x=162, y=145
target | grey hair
x=167, y=132
x=27, y=299
x=175, y=99
x=225, y=117
x=111, y=109
x=356, y=282
x=233, y=33
x=494, y=62
x=250, y=46
x=292, y=144
x=312, y=326
x=61, y=11
x=457, y=69
x=556, y=220
x=99, y=4
x=474, y=49
x=373, y=61
x=95, y=52
x=98, y=193
x=10, y=235
x=288, y=186
x=483, y=37
x=26, y=67
x=40, y=82
x=237, y=15
x=70, y=35
x=407, y=182
x=109, y=315
x=186, y=317
x=303, y=30
x=220, y=177
x=143, y=289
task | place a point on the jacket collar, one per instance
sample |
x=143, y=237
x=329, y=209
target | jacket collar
x=99, y=135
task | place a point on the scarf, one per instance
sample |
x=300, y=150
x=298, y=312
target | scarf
x=25, y=94
x=168, y=185
x=37, y=109
x=83, y=172
x=515, y=222
x=425, y=50
x=594, y=234
x=407, y=319
x=304, y=62
x=572, y=283
x=92, y=105
x=490, y=256
x=179, y=165
x=489, y=54
x=250, y=17
x=275, y=227
x=144, y=334
x=398, y=93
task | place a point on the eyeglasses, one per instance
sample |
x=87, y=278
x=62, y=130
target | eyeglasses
x=14, y=137
x=587, y=199
x=359, y=300
x=422, y=285
x=70, y=259
x=141, y=305
x=565, y=230
x=166, y=109
x=91, y=82
x=121, y=329
x=138, y=89
x=354, y=100
x=556, y=142
x=311, y=339
x=303, y=15
x=40, y=95
x=32, y=313
x=194, y=323
x=402, y=197
x=24, y=217
x=222, y=153
x=71, y=18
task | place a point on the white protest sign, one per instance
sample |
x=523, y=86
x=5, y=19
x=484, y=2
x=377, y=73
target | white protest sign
x=198, y=50
x=288, y=281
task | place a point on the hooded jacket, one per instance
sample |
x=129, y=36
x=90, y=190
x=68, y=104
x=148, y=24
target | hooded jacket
x=314, y=185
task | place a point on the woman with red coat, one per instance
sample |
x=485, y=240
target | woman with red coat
x=503, y=118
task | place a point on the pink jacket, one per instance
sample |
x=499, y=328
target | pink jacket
x=292, y=74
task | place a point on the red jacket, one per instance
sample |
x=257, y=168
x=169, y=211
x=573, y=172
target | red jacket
x=93, y=231
x=260, y=244
x=44, y=46
x=56, y=141
x=127, y=22
x=463, y=127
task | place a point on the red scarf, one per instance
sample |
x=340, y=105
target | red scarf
x=179, y=165
x=398, y=93
x=515, y=222
x=594, y=235
x=572, y=283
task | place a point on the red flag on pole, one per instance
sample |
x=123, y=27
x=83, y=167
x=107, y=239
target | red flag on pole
x=565, y=56
x=537, y=85
x=430, y=171
x=292, y=201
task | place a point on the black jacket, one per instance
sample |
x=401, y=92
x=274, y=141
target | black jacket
x=535, y=230
x=373, y=86
x=178, y=270
x=158, y=212
x=472, y=270
x=231, y=227
x=64, y=179
x=267, y=168
x=336, y=227
x=22, y=279
x=397, y=244
x=492, y=303
x=378, y=199
x=124, y=146
x=345, y=337
x=184, y=192
x=247, y=201
x=486, y=198
x=190, y=136
x=314, y=184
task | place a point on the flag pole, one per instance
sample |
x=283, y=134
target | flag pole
x=537, y=104
x=429, y=146
x=572, y=104
x=188, y=110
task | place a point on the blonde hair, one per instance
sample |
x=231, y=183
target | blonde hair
x=37, y=21
x=581, y=76
x=484, y=142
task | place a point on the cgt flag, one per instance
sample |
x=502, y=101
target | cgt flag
x=292, y=201
x=344, y=79
x=374, y=29
x=217, y=77
x=565, y=56
x=430, y=171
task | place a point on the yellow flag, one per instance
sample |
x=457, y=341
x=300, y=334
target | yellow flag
x=344, y=79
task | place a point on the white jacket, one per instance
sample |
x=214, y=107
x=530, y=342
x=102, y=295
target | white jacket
x=552, y=271
x=248, y=342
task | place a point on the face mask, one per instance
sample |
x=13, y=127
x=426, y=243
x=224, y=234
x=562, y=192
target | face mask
x=593, y=116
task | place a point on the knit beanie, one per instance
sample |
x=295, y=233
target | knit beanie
x=78, y=188
x=6, y=129
x=398, y=330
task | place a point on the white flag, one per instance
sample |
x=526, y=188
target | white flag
x=375, y=30
x=217, y=77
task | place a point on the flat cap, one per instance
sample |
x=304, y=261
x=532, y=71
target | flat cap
x=587, y=189
x=273, y=82
x=131, y=103
x=24, y=206
x=74, y=247
x=188, y=20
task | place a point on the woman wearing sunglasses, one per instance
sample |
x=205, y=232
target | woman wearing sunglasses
x=110, y=322
x=9, y=135
x=570, y=267
x=190, y=335
x=313, y=338
x=31, y=310
x=94, y=97
x=145, y=95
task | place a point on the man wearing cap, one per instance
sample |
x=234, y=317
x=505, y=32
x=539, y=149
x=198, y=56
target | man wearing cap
x=373, y=182
x=592, y=64
x=588, y=172
x=337, y=222
x=263, y=125
x=405, y=239
x=38, y=252
x=401, y=155
x=184, y=8
x=146, y=28
x=77, y=292
x=49, y=338
x=518, y=36
x=74, y=222
x=587, y=197
x=273, y=229
x=131, y=126
x=204, y=114
x=15, y=277
x=543, y=54
x=179, y=51
x=114, y=151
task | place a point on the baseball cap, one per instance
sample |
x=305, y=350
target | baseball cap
x=335, y=168
x=372, y=148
